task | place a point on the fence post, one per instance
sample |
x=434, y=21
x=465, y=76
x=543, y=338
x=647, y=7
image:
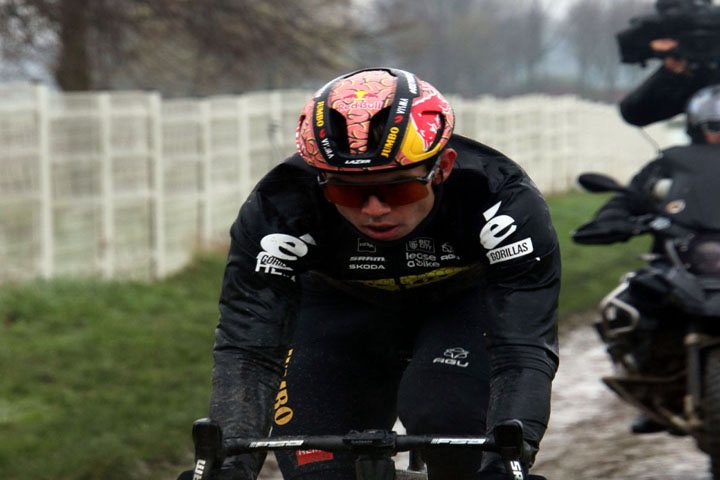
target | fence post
x=47, y=243
x=157, y=195
x=107, y=237
x=205, y=174
x=244, y=148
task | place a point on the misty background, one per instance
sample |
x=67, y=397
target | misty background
x=184, y=48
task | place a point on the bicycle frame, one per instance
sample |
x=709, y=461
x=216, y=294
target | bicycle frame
x=374, y=448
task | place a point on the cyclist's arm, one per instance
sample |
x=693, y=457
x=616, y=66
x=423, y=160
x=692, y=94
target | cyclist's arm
x=257, y=311
x=522, y=300
x=523, y=348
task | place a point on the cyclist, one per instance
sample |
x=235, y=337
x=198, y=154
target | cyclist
x=390, y=268
x=612, y=222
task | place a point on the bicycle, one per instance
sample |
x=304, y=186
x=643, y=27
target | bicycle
x=374, y=449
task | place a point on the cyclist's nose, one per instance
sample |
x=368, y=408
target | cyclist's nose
x=375, y=207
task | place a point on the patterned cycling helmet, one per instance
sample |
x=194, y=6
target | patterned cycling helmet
x=372, y=120
x=703, y=107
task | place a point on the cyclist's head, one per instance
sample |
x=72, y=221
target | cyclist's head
x=374, y=120
x=703, y=115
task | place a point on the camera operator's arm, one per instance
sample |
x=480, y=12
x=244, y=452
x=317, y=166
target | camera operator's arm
x=665, y=93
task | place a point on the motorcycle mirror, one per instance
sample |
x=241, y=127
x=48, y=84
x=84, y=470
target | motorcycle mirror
x=596, y=182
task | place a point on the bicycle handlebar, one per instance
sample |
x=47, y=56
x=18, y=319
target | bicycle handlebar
x=211, y=449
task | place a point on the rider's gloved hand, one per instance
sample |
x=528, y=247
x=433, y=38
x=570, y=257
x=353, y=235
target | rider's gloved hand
x=605, y=231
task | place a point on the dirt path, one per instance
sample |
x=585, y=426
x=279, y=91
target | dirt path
x=588, y=436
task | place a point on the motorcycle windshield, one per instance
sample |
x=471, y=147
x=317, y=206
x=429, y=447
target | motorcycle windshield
x=693, y=199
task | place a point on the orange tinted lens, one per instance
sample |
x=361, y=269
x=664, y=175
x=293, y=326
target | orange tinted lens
x=344, y=195
x=394, y=194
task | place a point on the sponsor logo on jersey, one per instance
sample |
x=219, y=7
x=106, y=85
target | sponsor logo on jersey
x=365, y=266
x=311, y=456
x=421, y=260
x=454, y=356
x=278, y=249
x=283, y=412
x=508, y=252
x=497, y=228
x=421, y=245
x=367, y=259
x=266, y=263
x=365, y=246
x=377, y=265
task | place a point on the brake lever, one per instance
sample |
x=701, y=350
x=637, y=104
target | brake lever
x=209, y=452
x=510, y=443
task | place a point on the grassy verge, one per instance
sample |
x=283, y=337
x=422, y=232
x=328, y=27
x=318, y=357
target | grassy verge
x=589, y=271
x=101, y=380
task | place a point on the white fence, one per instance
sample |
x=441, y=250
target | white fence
x=127, y=184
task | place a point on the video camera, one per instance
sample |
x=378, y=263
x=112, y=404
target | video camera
x=693, y=24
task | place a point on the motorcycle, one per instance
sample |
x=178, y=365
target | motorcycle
x=661, y=325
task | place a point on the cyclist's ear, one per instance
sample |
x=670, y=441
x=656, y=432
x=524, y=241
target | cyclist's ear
x=447, y=160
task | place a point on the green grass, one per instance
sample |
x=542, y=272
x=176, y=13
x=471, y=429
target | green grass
x=102, y=380
x=589, y=271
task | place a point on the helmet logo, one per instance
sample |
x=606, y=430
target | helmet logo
x=359, y=99
x=391, y=139
x=426, y=121
x=320, y=114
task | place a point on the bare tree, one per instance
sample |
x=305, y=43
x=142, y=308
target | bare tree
x=467, y=47
x=590, y=28
x=182, y=45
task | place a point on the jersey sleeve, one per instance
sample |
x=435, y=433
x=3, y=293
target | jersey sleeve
x=258, y=306
x=522, y=299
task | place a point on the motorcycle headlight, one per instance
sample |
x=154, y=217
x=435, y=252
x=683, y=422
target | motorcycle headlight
x=704, y=256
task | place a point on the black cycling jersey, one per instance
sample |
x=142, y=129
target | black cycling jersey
x=489, y=227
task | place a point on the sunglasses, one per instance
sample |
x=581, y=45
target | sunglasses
x=394, y=193
x=711, y=126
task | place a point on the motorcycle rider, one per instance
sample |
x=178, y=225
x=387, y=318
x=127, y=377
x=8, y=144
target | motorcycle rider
x=390, y=267
x=702, y=126
x=613, y=222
